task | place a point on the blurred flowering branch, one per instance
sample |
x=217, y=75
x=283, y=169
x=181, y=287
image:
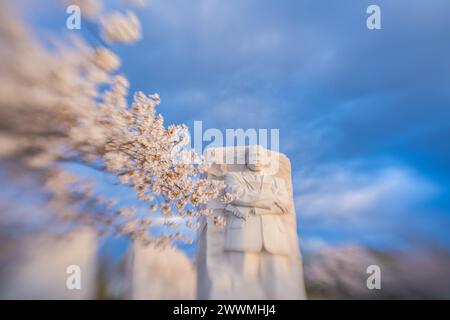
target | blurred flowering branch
x=68, y=104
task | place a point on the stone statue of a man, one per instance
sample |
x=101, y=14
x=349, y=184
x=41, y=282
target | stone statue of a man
x=258, y=201
x=259, y=255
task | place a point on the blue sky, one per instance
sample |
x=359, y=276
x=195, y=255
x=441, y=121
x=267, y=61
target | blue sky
x=363, y=114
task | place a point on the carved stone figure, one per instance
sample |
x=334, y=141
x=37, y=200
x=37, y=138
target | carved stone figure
x=256, y=254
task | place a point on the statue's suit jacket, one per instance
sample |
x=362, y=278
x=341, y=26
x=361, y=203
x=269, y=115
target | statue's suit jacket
x=259, y=203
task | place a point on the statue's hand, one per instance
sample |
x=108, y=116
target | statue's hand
x=236, y=212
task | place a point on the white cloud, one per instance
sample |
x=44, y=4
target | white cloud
x=313, y=243
x=347, y=194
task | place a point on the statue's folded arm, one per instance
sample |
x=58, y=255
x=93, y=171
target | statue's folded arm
x=282, y=198
x=244, y=197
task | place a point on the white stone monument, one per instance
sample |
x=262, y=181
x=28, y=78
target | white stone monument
x=256, y=255
x=161, y=273
x=41, y=267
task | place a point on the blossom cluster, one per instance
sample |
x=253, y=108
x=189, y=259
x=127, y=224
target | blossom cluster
x=68, y=103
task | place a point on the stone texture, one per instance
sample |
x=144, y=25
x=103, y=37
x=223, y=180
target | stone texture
x=212, y=264
x=36, y=267
x=161, y=274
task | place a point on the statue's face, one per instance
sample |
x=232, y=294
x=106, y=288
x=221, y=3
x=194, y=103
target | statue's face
x=258, y=159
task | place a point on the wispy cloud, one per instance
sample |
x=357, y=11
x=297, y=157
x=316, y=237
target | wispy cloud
x=347, y=195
